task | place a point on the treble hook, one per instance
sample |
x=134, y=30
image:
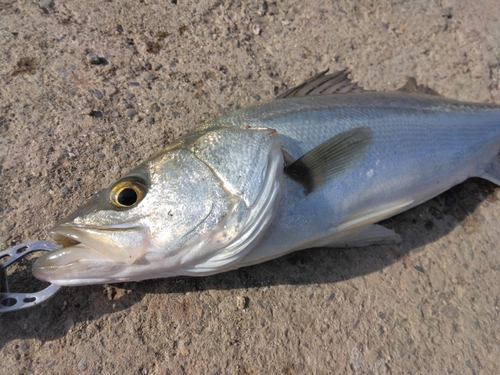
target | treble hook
x=17, y=301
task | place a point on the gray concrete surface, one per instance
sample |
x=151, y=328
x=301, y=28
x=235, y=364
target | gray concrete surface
x=68, y=127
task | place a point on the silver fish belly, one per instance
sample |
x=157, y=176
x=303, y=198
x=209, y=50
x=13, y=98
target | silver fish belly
x=317, y=167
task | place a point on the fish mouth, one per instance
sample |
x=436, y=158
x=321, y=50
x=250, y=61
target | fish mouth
x=86, y=249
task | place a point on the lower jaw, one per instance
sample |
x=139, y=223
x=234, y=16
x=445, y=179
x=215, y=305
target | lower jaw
x=67, y=262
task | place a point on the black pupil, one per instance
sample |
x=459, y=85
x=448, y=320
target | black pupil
x=127, y=197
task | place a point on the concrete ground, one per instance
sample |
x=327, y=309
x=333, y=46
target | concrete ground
x=69, y=126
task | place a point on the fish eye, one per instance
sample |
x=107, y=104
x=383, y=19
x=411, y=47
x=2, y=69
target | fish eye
x=127, y=193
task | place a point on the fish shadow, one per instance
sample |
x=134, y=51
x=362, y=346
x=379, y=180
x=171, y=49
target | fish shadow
x=418, y=227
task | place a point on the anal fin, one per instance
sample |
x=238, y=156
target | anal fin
x=360, y=230
x=369, y=235
x=368, y=217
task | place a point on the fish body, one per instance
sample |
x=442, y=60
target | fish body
x=294, y=173
x=422, y=145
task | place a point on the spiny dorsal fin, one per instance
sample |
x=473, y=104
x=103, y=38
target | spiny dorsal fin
x=412, y=88
x=331, y=158
x=323, y=84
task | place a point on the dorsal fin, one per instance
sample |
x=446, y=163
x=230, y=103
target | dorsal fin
x=323, y=84
x=412, y=88
x=331, y=158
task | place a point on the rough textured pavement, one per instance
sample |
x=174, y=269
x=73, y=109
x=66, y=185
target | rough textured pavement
x=72, y=122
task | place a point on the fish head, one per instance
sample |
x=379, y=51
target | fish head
x=195, y=208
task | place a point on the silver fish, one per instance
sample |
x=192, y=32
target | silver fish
x=317, y=167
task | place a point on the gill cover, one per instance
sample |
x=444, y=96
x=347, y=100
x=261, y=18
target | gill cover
x=248, y=162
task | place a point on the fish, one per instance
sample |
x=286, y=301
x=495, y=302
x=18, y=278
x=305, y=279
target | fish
x=318, y=166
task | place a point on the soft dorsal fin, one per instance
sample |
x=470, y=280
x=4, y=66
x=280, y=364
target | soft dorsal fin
x=323, y=84
x=331, y=158
x=412, y=88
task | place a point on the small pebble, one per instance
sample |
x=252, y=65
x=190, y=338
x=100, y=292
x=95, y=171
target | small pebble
x=242, y=302
x=23, y=348
x=65, y=191
x=98, y=94
x=419, y=268
x=47, y=3
x=151, y=120
x=82, y=364
x=113, y=113
x=263, y=9
x=93, y=59
x=446, y=12
x=3, y=243
x=111, y=90
x=87, y=111
x=128, y=95
x=130, y=112
x=157, y=66
x=256, y=29
x=147, y=76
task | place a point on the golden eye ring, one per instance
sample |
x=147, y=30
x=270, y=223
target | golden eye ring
x=127, y=193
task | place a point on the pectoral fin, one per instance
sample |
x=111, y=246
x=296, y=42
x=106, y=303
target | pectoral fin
x=331, y=158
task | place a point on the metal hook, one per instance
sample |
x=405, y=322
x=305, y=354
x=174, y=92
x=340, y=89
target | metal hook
x=17, y=301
